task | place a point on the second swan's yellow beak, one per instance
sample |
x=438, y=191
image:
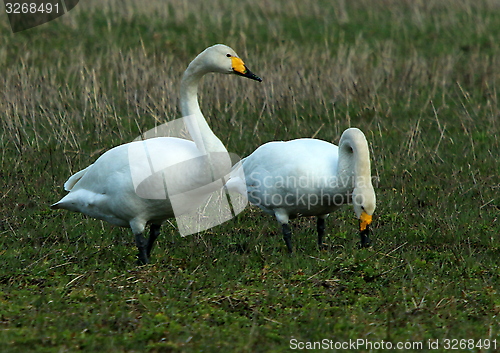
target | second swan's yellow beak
x=365, y=219
x=239, y=68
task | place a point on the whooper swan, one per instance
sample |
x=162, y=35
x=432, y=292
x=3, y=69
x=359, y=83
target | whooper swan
x=309, y=177
x=105, y=190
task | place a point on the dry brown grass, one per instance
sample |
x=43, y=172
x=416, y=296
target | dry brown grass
x=60, y=101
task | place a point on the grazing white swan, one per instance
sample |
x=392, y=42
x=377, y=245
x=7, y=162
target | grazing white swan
x=106, y=190
x=309, y=177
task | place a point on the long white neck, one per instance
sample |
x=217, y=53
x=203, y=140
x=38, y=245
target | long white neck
x=204, y=138
x=354, y=159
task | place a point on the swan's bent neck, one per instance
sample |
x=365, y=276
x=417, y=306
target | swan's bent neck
x=354, y=159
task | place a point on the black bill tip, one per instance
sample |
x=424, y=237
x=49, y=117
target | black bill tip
x=365, y=238
x=248, y=74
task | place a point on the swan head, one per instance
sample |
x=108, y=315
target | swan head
x=223, y=59
x=364, y=202
x=354, y=160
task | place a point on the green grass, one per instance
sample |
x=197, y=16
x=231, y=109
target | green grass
x=420, y=79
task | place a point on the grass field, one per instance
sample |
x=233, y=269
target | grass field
x=420, y=78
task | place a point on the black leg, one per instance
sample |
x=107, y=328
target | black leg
x=141, y=246
x=287, y=236
x=154, y=231
x=321, y=231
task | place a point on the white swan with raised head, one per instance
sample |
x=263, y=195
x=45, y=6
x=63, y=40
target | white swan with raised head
x=105, y=190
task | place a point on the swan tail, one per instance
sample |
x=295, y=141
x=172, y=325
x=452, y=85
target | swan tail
x=55, y=206
x=63, y=204
x=77, y=201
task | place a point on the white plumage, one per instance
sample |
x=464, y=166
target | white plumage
x=105, y=190
x=309, y=177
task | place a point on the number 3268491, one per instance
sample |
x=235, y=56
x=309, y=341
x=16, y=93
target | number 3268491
x=33, y=8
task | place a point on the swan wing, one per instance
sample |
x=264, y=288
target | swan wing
x=72, y=180
x=123, y=184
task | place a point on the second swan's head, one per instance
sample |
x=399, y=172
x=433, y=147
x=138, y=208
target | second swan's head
x=354, y=157
x=223, y=59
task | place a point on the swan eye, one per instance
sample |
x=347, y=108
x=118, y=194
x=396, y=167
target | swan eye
x=228, y=55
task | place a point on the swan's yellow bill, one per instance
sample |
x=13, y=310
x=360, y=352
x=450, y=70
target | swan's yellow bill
x=238, y=65
x=239, y=68
x=365, y=219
